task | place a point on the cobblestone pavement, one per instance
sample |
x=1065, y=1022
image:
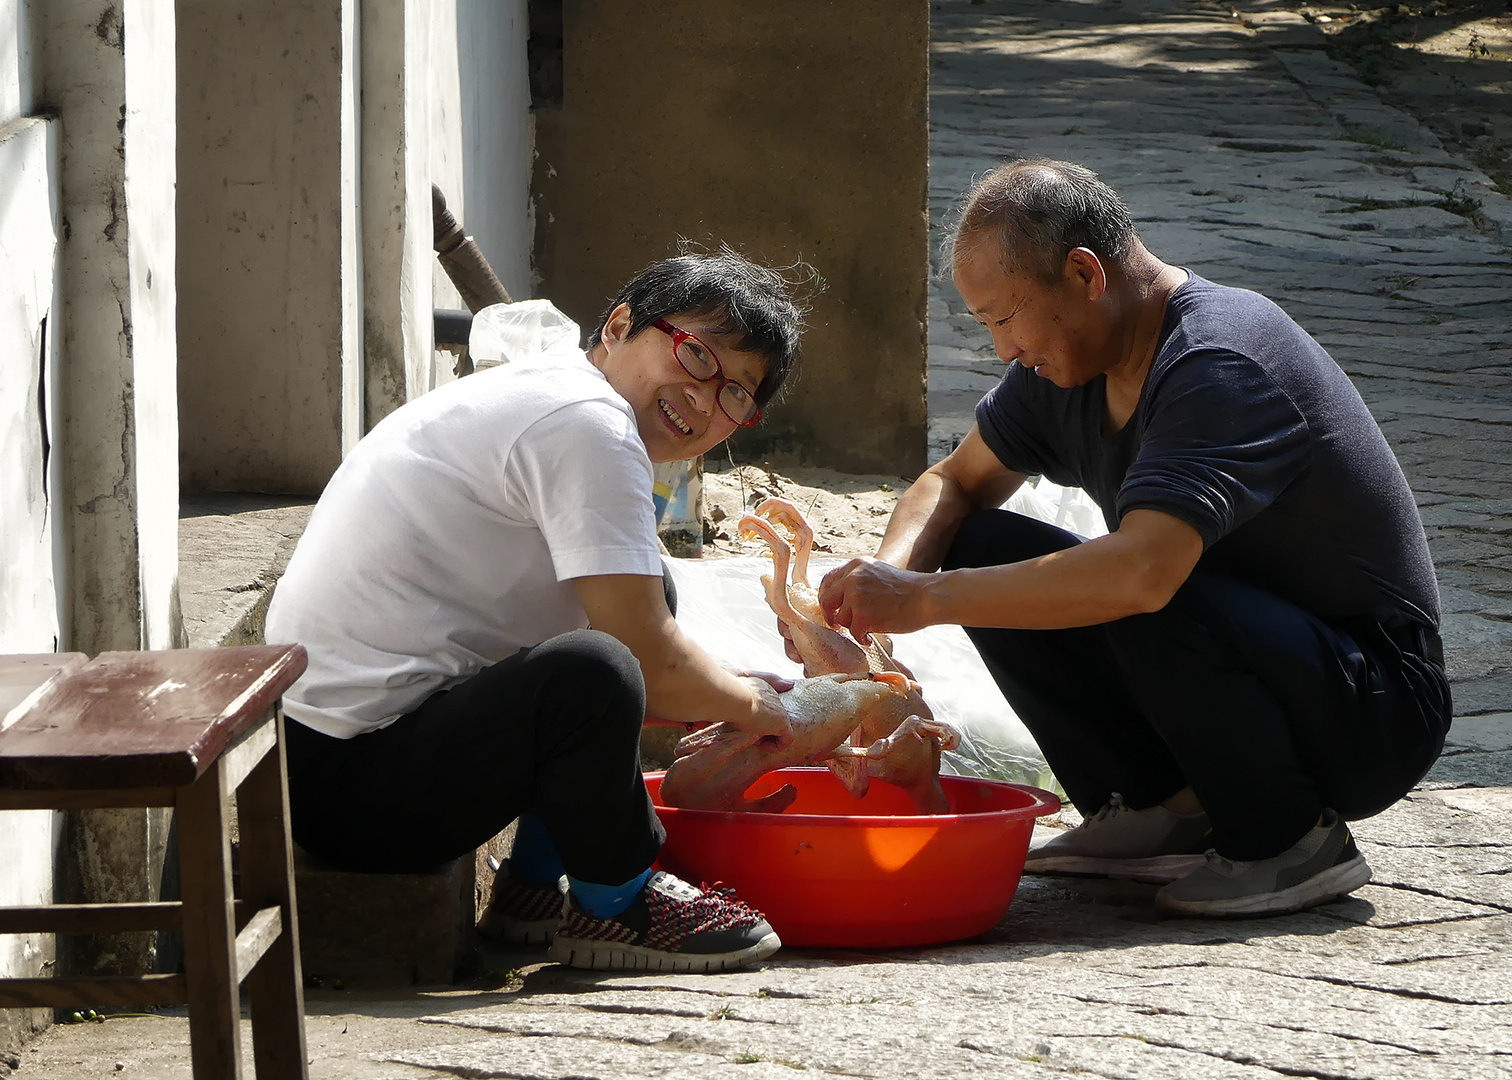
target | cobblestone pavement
x=1251, y=158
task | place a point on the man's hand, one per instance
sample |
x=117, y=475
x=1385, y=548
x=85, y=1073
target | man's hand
x=866, y=596
x=789, y=649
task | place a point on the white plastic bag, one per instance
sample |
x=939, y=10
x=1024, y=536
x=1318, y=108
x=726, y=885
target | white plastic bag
x=526, y=330
x=720, y=604
x=1070, y=508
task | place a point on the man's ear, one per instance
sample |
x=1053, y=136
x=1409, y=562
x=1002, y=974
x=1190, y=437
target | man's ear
x=617, y=325
x=1084, y=272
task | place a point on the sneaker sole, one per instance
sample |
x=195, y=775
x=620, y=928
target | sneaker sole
x=611, y=956
x=511, y=931
x=1318, y=889
x=1158, y=869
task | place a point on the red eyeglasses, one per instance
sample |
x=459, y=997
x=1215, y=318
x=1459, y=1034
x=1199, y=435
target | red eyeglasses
x=699, y=361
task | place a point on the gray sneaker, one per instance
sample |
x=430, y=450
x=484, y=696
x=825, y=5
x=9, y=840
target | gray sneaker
x=1323, y=865
x=1143, y=845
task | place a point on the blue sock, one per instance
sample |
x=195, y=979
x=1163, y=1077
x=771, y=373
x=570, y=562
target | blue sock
x=533, y=859
x=607, y=901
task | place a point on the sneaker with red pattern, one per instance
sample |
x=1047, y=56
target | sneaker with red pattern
x=519, y=913
x=671, y=927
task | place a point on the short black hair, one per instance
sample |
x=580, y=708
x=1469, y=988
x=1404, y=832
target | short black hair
x=752, y=304
x=1039, y=210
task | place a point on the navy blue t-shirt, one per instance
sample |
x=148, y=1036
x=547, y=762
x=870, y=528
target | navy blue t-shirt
x=1249, y=432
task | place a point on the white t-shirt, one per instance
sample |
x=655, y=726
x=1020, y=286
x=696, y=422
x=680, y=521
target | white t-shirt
x=448, y=538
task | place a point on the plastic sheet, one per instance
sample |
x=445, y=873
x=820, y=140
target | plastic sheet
x=720, y=604
x=1070, y=508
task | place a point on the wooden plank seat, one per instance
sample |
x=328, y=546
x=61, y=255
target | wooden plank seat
x=187, y=729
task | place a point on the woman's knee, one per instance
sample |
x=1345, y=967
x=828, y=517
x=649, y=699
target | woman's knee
x=999, y=537
x=597, y=663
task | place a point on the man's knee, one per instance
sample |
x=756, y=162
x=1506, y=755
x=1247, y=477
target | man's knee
x=999, y=537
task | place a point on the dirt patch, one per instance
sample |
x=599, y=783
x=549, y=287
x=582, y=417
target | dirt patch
x=848, y=512
x=1449, y=64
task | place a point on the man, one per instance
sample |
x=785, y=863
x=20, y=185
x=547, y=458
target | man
x=1251, y=655
x=445, y=588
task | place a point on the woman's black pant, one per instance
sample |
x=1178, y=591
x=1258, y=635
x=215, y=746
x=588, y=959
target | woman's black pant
x=1269, y=713
x=554, y=728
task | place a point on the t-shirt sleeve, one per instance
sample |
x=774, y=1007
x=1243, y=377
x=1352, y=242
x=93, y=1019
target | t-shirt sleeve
x=1221, y=443
x=1012, y=424
x=583, y=472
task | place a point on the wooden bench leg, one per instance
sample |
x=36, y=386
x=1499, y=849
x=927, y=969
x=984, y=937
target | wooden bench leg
x=209, y=928
x=275, y=986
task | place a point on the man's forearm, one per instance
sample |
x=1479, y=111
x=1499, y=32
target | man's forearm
x=1125, y=573
x=923, y=524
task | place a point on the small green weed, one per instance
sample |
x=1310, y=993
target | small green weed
x=1463, y=205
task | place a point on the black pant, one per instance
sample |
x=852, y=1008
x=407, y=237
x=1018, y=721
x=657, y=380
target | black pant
x=554, y=728
x=1269, y=713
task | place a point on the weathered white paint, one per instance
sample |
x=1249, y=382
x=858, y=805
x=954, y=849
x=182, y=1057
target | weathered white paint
x=108, y=69
x=351, y=241
x=397, y=260
x=29, y=839
x=494, y=83
x=447, y=168
x=29, y=619
x=480, y=143
x=29, y=604
x=116, y=332
x=16, y=74
x=149, y=175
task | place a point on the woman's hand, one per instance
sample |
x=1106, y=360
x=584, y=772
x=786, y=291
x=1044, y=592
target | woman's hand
x=768, y=717
x=780, y=683
x=867, y=595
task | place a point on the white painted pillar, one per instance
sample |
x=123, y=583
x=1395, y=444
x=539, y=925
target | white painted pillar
x=109, y=71
x=107, y=68
x=397, y=257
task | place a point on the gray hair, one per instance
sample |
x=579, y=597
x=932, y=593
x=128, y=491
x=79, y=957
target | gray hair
x=1038, y=210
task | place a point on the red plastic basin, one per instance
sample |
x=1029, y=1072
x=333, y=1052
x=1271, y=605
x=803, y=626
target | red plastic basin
x=835, y=871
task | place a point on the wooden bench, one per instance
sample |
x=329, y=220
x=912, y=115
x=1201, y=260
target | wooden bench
x=186, y=729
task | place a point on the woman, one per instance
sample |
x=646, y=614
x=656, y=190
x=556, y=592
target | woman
x=444, y=590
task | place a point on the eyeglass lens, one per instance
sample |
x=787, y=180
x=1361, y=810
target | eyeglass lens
x=736, y=402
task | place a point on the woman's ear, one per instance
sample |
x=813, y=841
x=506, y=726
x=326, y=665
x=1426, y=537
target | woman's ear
x=617, y=326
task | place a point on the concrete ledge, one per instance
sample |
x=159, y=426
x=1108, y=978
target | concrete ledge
x=232, y=550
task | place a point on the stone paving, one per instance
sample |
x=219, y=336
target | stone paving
x=1251, y=158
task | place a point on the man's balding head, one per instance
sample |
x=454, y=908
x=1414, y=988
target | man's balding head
x=1035, y=211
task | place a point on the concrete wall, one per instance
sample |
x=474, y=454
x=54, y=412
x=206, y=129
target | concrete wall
x=787, y=129
x=397, y=259
x=31, y=556
x=235, y=307
x=308, y=139
x=108, y=71
x=481, y=141
x=119, y=432
x=88, y=420
x=497, y=140
x=270, y=383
